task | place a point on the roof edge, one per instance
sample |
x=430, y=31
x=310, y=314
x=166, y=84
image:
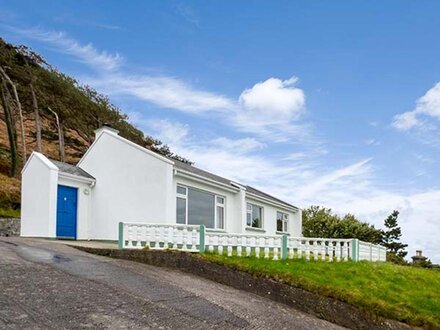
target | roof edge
x=200, y=178
x=126, y=141
x=42, y=158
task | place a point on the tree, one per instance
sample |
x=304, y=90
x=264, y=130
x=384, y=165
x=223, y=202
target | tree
x=391, y=238
x=60, y=136
x=10, y=127
x=32, y=59
x=321, y=222
x=20, y=111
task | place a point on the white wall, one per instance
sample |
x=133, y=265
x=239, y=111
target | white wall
x=232, y=204
x=270, y=219
x=131, y=186
x=38, y=197
x=83, y=210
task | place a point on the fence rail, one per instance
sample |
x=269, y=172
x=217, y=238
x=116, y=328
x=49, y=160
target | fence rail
x=196, y=239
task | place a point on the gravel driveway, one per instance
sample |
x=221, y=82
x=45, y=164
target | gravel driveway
x=46, y=285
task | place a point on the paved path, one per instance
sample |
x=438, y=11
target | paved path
x=44, y=285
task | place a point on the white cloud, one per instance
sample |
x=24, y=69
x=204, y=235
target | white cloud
x=372, y=142
x=165, y=92
x=406, y=121
x=273, y=101
x=244, y=145
x=87, y=54
x=426, y=106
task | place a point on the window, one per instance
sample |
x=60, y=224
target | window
x=254, y=216
x=181, y=205
x=282, y=222
x=220, y=212
x=198, y=207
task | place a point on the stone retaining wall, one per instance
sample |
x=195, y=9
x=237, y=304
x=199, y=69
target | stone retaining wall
x=9, y=227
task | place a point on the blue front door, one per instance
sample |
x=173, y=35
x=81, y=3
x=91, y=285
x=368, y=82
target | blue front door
x=66, y=212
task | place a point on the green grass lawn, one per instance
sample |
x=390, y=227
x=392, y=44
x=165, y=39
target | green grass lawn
x=403, y=293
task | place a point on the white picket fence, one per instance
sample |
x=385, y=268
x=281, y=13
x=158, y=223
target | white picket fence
x=372, y=252
x=244, y=245
x=159, y=236
x=196, y=239
x=320, y=248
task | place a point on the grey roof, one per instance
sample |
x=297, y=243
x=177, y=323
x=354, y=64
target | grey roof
x=195, y=170
x=71, y=169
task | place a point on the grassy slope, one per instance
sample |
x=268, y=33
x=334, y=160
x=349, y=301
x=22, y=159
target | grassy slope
x=9, y=197
x=407, y=294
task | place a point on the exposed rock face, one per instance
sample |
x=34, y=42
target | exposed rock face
x=9, y=227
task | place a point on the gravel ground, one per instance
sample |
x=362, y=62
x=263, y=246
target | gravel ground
x=44, y=285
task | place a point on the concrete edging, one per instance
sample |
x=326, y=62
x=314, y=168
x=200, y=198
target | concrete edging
x=326, y=308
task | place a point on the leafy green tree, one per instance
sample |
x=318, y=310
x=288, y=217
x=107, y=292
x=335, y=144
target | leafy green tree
x=321, y=222
x=391, y=238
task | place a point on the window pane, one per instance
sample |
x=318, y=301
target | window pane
x=181, y=210
x=249, y=219
x=220, y=200
x=279, y=216
x=256, y=216
x=200, y=208
x=181, y=190
x=220, y=217
x=279, y=225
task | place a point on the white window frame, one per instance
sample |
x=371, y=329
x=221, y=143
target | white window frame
x=223, y=206
x=285, y=222
x=249, y=211
x=216, y=203
x=185, y=197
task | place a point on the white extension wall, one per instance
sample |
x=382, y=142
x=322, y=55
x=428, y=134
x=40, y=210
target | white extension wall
x=38, y=197
x=132, y=184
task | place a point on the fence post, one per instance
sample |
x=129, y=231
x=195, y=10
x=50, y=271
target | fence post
x=355, y=250
x=121, y=235
x=284, y=248
x=202, y=239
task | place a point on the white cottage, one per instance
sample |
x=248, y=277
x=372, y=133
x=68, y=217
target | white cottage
x=118, y=180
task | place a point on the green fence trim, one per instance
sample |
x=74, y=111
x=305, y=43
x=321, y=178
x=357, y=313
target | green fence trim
x=355, y=250
x=121, y=235
x=202, y=239
x=284, y=248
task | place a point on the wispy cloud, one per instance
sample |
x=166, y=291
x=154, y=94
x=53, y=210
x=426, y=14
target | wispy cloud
x=187, y=13
x=87, y=54
x=165, y=92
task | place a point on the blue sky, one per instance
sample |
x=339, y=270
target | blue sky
x=318, y=102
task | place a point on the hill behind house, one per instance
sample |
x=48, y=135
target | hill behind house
x=80, y=109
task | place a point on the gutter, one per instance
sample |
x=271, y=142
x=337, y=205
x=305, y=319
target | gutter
x=199, y=178
x=272, y=202
x=90, y=182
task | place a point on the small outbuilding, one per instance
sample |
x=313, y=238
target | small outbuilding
x=55, y=199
